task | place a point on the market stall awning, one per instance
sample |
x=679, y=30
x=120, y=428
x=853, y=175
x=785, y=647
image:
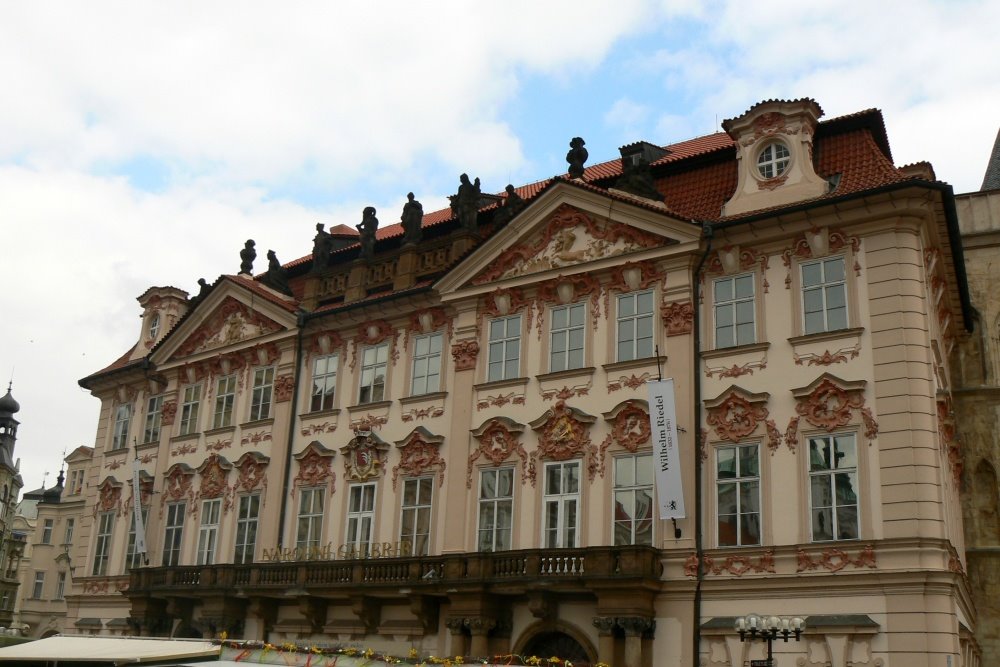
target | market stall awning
x=119, y=650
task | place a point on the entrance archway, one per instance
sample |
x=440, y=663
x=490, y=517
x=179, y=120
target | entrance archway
x=557, y=642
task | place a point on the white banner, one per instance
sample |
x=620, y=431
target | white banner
x=666, y=449
x=140, y=529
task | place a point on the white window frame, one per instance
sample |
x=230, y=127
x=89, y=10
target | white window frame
x=68, y=531
x=426, y=376
x=190, y=407
x=38, y=586
x=628, y=346
x=496, y=509
x=154, y=419
x=504, y=358
x=561, y=505
x=75, y=482
x=261, y=398
x=154, y=325
x=132, y=557
x=324, y=382
x=225, y=400
x=173, y=534
x=361, y=498
x=309, y=524
x=745, y=486
x=47, y=526
x=208, y=531
x=247, y=523
x=732, y=309
x=374, y=359
x=773, y=160
x=102, y=546
x=567, y=339
x=416, y=514
x=835, y=508
x=123, y=420
x=633, y=500
x=826, y=289
x=60, y=586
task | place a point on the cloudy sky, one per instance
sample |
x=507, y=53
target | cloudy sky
x=142, y=142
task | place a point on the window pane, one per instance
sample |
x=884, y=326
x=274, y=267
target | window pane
x=812, y=274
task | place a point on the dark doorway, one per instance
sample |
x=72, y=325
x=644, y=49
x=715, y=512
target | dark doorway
x=558, y=644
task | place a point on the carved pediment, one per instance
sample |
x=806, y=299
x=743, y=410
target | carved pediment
x=251, y=475
x=177, y=484
x=830, y=403
x=563, y=434
x=737, y=413
x=315, y=467
x=364, y=455
x=418, y=453
x=569, y=237
x=231, y=322
x=109, y=496
x=498, y=440
x=214, y=474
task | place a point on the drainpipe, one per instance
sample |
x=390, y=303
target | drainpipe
x=300, y=322
x=698, y=538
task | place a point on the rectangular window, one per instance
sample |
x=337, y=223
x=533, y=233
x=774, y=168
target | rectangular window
x=47, y=531
x=833, y=487
x=633, y=518
x=68, y=534
x=824, y=295
x=173, y=534
x=737, y=482
x=123, y=417
x=560, y=504
x=75, y=482
x=102, y=548
x=310, y=518
x=426, y=364
x=189, y=409
x=154, y=415
x=496, y=509
x=225, y=396
x=415, y=526
x=566, y=340
x=635, y=326
x=373, y=366
x=505, y=348
x=208, y=533
x=734, y=311
x=39, y=586
x=263, y=388
x=246, y=528
x=60, y=586
x=324, y=382
x=134, y=558
x=360, y=518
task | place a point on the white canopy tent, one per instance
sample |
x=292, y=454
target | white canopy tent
x=65, y=649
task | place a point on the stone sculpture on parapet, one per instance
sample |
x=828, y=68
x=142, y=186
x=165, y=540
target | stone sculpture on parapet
x=465, y=203
x=576, y=156
x=367, y=228
x=322, y=247
x=247, y=256
x=276, y=277
x=412, y=219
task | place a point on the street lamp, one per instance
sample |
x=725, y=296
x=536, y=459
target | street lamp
x=768, y=629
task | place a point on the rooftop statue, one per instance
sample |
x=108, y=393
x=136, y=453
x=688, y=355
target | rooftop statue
x=465, y=204
x=367, y=229
x=412, y=219
x=322, y=247
x=247, y=256
x=576, y=156
x=276, y=277
x=512, y=205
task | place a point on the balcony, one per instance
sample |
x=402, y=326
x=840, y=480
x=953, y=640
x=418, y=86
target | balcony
x=505, y=572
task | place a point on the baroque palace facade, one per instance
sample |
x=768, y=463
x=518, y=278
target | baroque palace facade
x=435, y=435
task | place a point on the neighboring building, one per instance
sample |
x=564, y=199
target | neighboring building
x=977, y=404
x=439, y=439
x=12, y=542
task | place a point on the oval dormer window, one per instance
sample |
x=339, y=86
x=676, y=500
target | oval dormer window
x=154, y=325
x=773, y=160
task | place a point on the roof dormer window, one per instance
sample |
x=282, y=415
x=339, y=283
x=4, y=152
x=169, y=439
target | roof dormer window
x=773, y=160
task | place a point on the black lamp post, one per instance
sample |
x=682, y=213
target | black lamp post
x=752, y=626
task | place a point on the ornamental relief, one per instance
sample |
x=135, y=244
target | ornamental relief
x=732, y=258
x=230, y=323
x=315, y=468
x=109, y=496
x=177, y=485
x=464, y=354
x=630, y=429
x=819, y=243
x=950, y=443
x=214, y=474
x=678, y=317
x=251, y=473
x=284, y=386
x=373, y=333
x=563, y=434
x=364, y=456
x=418, y=453
x=168, y=412
x=427, y=321
x=736, y=413
x=145, y=492
x=829, y=403
x=563, y=290
x=498, y=440
x=324, y=343
x=570, y=237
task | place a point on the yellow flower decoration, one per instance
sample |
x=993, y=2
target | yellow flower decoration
x=413, y=653
x=458, y=660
